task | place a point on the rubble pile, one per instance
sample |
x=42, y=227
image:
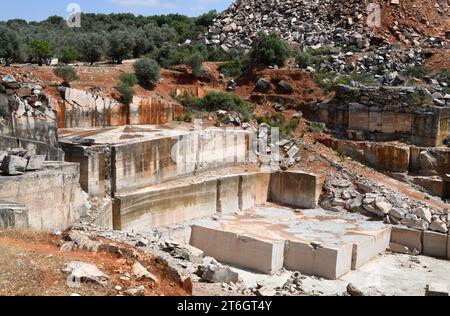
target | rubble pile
x=341, y=26
x=135, y=252
x=321, y=22
x=26, y=98
x=27, y=114
x=18, y=161
x=359, y=194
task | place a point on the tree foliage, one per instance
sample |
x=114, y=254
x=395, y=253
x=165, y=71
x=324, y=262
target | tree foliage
x=120, y=45
x=9, y=45
x=129, y=79
x=66, y=73
x=126, y=93
x=270, y=50
x=195, y=61
x=40, y=50
x=118, y=36
x=68, y=54
x=147, y=71
x=92, y=47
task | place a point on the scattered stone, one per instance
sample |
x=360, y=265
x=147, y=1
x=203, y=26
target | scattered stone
x=35, y=162
x=186, y=252
x=264, y=291
x=217, y=273
x=413, y=222
x=354, y=205
x=83, y=241
x=339, y=202
x=263, y=85
x=136, y=291
x=285, y=86
x=423, y=213
x=83, y=272
x=67, y=246
x=438, y=226
x=364, y=188
x=398, y=213
x=383, y=207
x=14, y=165
x=399, y=249
x=140, y=272
x=354, y=291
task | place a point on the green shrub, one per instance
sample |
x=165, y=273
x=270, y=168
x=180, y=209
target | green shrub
x=147, y=71
x=325, y=81
x=304, y=60
x=236, y=67
x=270, y=50
x=40, y=50
x=195, y=61
x=416, y=71
x=419, y=99
x=129, y=79
x=328, y=80
x=444, y=76
x=66, y=73
x=316, y=127
x=126, y=93
x=68, y=54
x=214, y=101
x=278, y=120
x=185, y=117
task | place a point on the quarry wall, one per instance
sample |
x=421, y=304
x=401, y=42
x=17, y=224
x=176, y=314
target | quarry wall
x=425, y=166
x=84, y=109
x=28, y=120
x=52, y=196
x=156, y=206
x=386, y=113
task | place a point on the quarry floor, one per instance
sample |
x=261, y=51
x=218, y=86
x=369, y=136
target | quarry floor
x=31, y=265
x=389, y=274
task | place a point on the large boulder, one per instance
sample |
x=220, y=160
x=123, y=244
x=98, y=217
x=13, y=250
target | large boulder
x=285, y=87
x=263, y=85
x=14, y=165
x=80, y=272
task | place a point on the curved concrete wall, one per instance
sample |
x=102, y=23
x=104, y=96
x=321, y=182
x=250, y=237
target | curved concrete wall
x=164, y=206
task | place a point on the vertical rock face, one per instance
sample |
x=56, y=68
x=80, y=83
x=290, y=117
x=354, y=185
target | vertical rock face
x=52, y=196
x=83, y=109
x=13, y=215
x=27, y=119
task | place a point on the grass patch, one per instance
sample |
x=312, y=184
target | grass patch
x=215, y=101
x=286, y=127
